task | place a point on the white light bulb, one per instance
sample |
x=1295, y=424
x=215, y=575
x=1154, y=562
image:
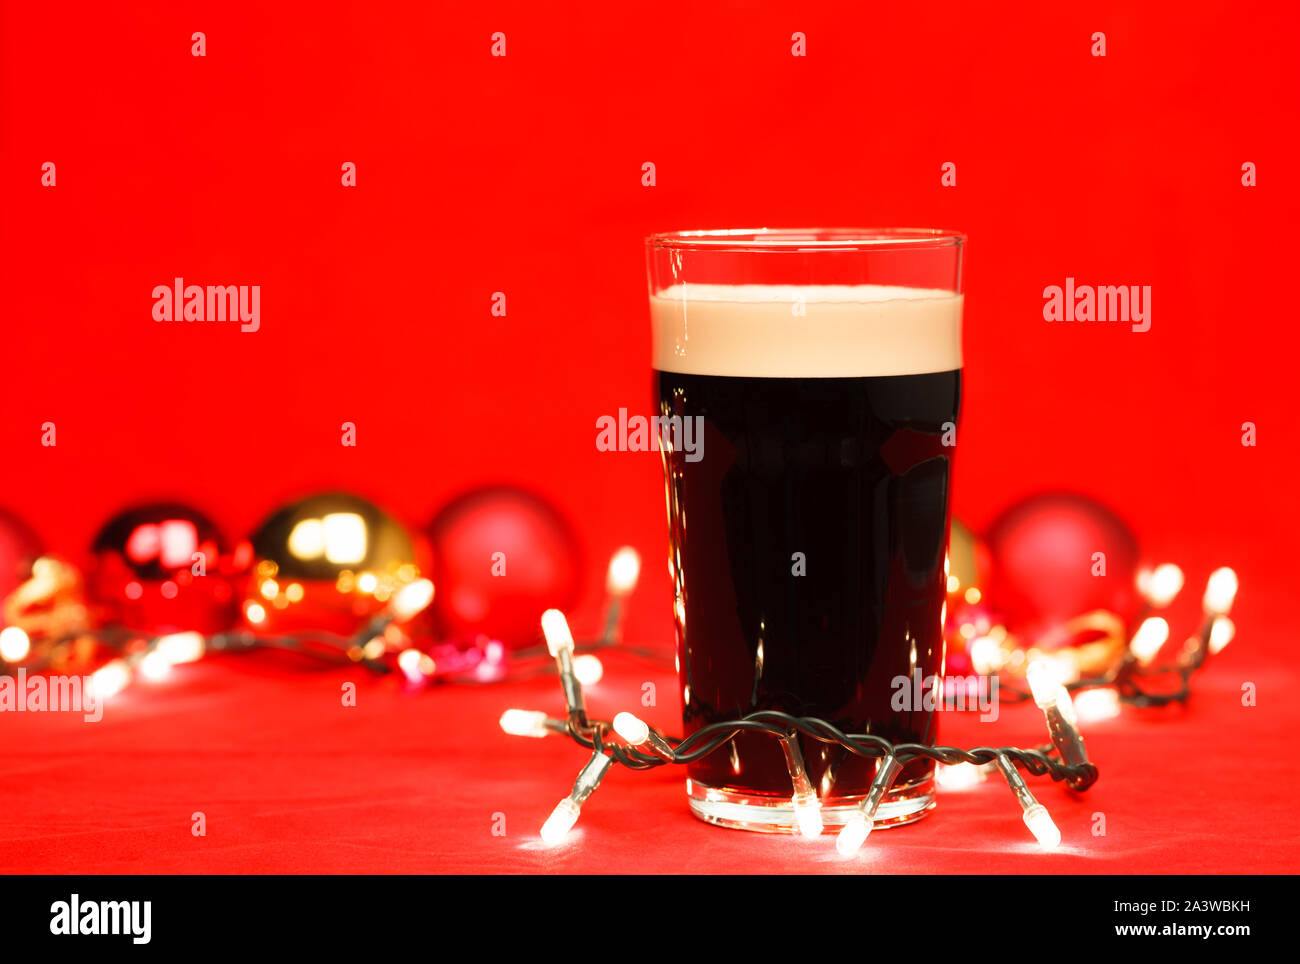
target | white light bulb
x=409, y=661
x=1220, y=591
x=524, y=723
x=412, y=598
x=624, y=570
x=46, y=572
x=1222, y=630
x=1044, y=681
x=588, y=669
x=852, y=835
x=556, y=630
x=631, y=728
x=110, y=679
x=154, y=666
x=985, y=655
x=1097, y=704
x=1151, y=635
x=180, y=647
x=1163, y=584
x=958, y=776
x=808, y=814
x=14, y=644
x=1066, y=705
x=561, y=821
x=1040, y=824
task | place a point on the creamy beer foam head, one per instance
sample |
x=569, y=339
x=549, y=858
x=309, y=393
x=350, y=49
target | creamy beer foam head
x=805, y=331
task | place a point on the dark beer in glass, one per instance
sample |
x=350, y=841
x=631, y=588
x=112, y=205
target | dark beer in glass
x=808, y=523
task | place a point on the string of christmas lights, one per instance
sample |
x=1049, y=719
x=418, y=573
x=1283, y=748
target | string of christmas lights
x=376, y=645
x=1132, y=676
x=152, y=657
x=632, y=743
x=1066, y=683
x=1053, y=683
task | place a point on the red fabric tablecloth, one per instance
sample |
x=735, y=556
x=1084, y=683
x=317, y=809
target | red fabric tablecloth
x=290, y=780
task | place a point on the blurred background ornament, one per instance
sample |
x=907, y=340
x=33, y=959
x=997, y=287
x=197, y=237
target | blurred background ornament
x=19, y=548
x=50, y=603
x=502, y=556
x=1084, y=645
x=969, y=562
x=162, y=568
x=969, y=613
x=1056, y=557
x=336, y=578
x=328, y=562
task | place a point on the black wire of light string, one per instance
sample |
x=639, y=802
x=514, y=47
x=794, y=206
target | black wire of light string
x=776, y=724
x=1124, y=677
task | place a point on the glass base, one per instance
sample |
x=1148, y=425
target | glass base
x=767, y=814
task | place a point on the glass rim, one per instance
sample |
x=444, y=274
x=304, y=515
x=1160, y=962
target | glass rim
x=806, y=240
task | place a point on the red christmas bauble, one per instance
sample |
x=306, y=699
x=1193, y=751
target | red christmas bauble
x=502, y=557
x=162, y=568
x=1057, y=556
x=19, y=548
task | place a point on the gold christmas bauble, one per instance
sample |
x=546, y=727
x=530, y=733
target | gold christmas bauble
x=329, y=561
x=967, y=563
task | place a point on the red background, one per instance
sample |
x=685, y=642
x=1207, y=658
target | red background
x=523, y=174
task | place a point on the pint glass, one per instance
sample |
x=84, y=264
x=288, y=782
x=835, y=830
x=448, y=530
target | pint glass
x=808, y=523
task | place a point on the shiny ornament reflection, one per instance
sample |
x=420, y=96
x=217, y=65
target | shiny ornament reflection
x=331, y=561
x=162, y=568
